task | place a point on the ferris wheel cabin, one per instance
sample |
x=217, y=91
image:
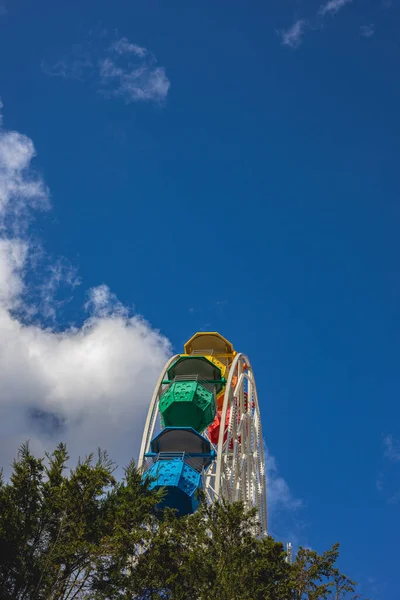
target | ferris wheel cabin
x=189, y=404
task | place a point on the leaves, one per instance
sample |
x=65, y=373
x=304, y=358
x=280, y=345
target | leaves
x=81, y=534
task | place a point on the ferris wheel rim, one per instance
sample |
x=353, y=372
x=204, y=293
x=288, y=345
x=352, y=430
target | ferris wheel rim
x=151, y=417
x=230, y=392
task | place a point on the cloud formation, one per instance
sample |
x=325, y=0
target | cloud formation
x=118, y=69
x=133, y=83
x=293, y=36
x=123, y=46
x=279, y=494
x=367, y=30
x=88, y=385
x=391, y=448
x=332, y=7
x=387, y=481
x=284, y=510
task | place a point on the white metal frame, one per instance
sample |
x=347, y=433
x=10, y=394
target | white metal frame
x=238, y=473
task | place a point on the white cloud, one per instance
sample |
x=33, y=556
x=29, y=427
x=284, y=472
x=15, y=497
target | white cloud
x=332, y=7
x=132, y=80
x=12, y=259
x=293, y=36
x=88, y=385
x=284, y=509
x=367, y=30
x=20, y=190
x=280, y=497
x=123, y=46
x=391, y=448
x=120, y=69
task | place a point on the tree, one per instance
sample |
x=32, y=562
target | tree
x=214, y=554
x=315, y=577
x=81, y=534
x=58, y=533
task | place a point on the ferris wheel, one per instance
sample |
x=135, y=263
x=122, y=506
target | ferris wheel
x=203, y=429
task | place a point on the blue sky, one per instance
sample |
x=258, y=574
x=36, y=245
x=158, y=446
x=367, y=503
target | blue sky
x=230, y=166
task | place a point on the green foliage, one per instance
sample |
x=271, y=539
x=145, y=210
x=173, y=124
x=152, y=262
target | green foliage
x=81, y=534
x=314, y=576
x=58, y=532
